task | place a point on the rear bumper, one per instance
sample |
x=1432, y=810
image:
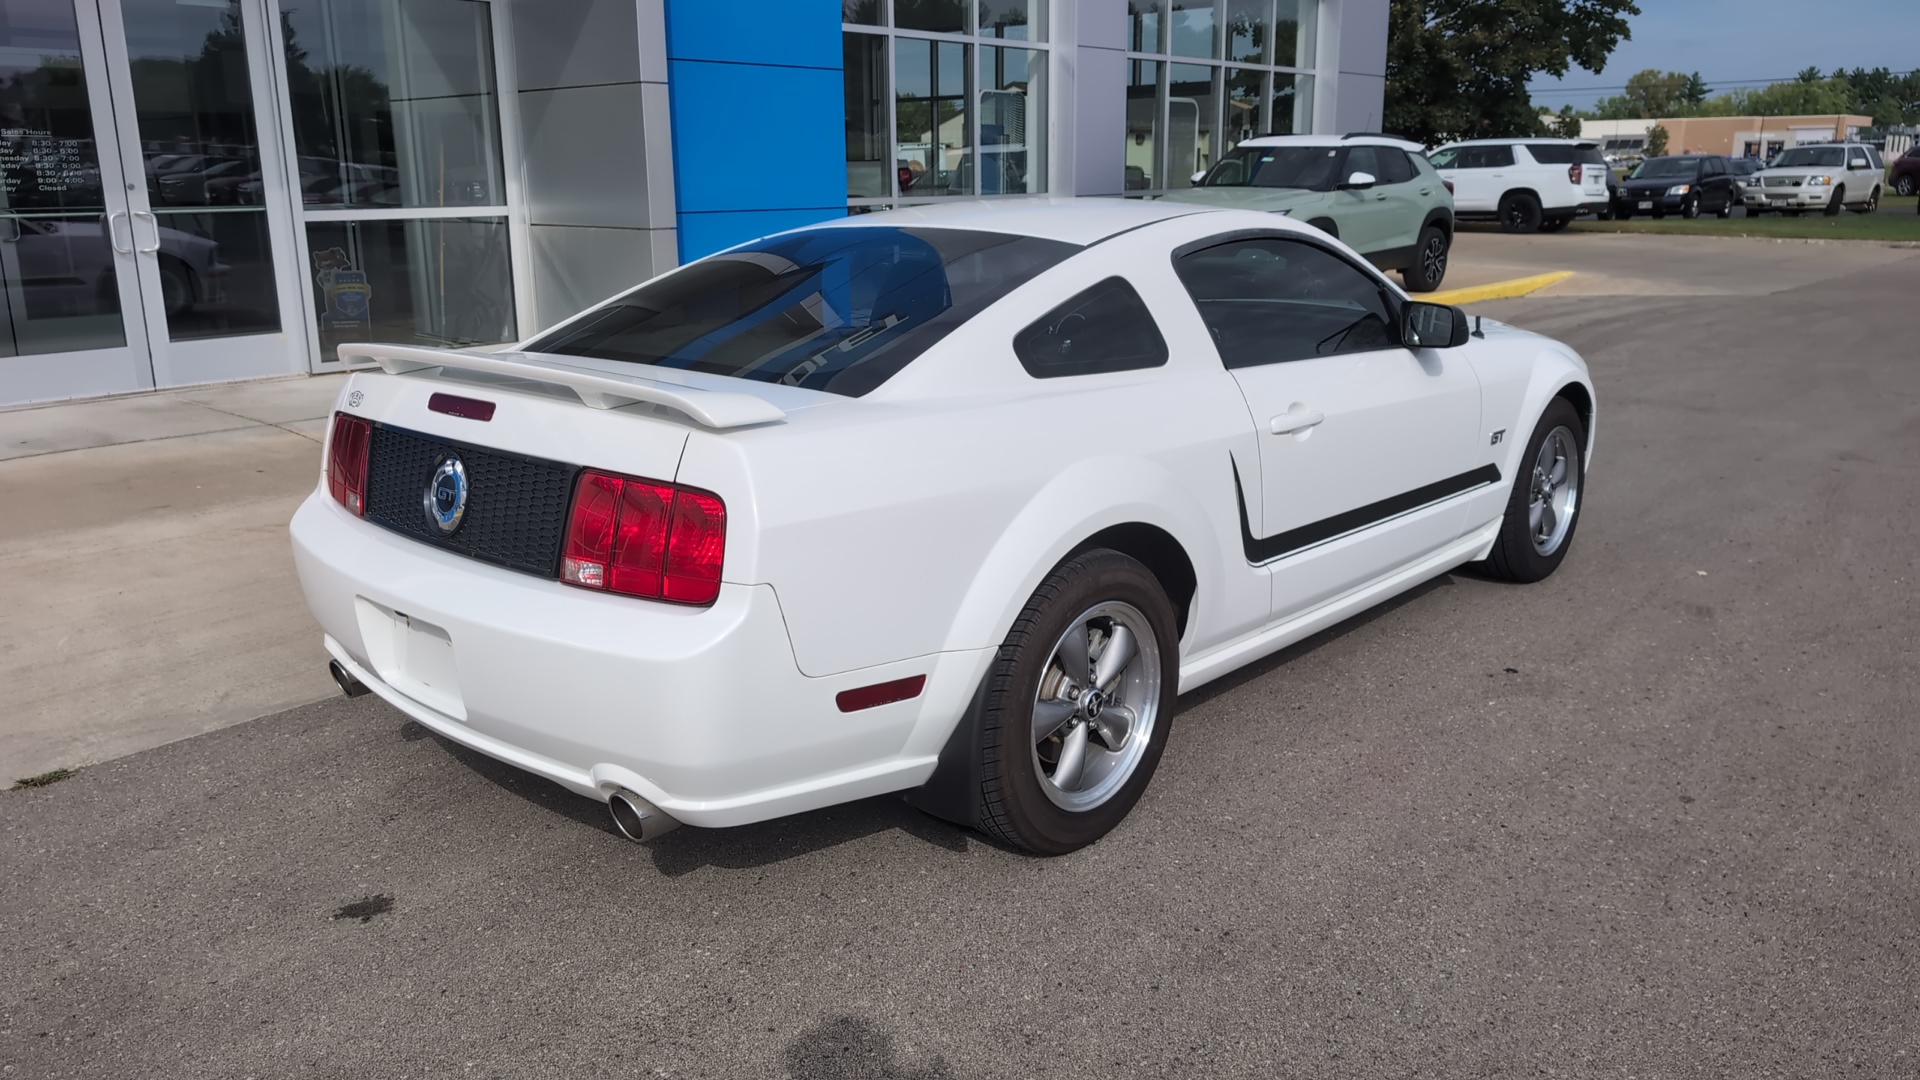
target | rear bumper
x=701, y=711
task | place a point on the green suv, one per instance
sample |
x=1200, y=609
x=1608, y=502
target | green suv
x=1377, y=194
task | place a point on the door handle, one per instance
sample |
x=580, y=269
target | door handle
x=1295, y=419
x=113, y=234
x=1426, y=191
x=151, y=220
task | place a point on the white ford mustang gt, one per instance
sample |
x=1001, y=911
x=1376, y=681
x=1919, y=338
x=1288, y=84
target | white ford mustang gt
x=947, y=501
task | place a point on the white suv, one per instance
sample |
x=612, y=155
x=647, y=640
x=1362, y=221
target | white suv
x=1528, y=185
x=1824, y=178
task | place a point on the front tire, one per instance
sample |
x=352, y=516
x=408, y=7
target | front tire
x=1690, y=207
x=1430, y=261
x=1545, y=505
x=1079, y=704
x=1520, y=213
x=1904, y=186
x=1726, y=208
x=1834, y=204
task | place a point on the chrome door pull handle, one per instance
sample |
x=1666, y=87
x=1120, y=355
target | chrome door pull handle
x=113, y=234
x=155, y=222
x=1297, y=420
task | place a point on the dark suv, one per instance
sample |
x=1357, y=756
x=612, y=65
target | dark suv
x=1905, y=176
x=1684, y=184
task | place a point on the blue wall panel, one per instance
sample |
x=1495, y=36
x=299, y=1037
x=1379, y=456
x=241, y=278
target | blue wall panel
x=759, y=127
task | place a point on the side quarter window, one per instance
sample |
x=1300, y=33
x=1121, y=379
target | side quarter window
x=1101, y=329
x=1269, y=300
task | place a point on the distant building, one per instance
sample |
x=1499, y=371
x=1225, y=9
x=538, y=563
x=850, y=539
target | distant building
x=1734, y=136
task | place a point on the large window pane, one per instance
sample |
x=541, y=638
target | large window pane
x=1191, y=29
x=1192, y=108
x=945, y=16
x=394, y=103
x=60, y=290
x=1293, y=32
x=1143, y=124
x=1249, y=30
x=1246, y=90
x=1292, y=104
x=1022, y=20
x=869, y=164
x=932, y=123
x=424, y=282
x=1013, y=121
x=216, y=273
x=862, y=12
x=1144, y=21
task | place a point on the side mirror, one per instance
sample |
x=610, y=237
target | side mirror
x=1432, y=326
x=1360, y=180
x=1197, y=177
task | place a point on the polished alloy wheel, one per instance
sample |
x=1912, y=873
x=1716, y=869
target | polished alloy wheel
x=1555, y=494
x=1094, y=712
x=1433, y=259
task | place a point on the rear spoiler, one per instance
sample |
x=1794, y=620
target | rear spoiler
x=718, y=409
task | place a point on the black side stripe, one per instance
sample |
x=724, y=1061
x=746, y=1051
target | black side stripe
x=1260, y=550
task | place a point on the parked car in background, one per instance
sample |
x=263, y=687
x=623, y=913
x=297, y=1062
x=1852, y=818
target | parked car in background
x=1375, y=192
x=1743, y=170
x=1684, y=184
x=1527, y=185
x=1827, y=178
x=1905, y=177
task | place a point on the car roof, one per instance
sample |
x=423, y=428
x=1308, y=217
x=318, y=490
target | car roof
x=1081, y=221
x=1519, y=142
x=1334, y=140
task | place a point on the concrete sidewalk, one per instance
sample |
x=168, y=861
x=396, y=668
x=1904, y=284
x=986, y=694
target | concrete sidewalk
x=143, y=557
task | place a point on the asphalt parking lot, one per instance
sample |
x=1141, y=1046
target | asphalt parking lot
x=1658, y=816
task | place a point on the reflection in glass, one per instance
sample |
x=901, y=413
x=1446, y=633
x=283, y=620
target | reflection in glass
x=1246, y=89
x=1249, y=30
x=1191, y=100
x=865, y=59
x=1013, y=121
x=216, y=274
x=931, y=121
x=394, y=103
x=1143, y=25
x=1292, y=104
x=58, y=287
x=1293, y=30
x=424, y=282
x=61, y=292
x=863, y=12
x=945, y=16
x=1143, y=123
x=1019, y=20
x=1190, y=29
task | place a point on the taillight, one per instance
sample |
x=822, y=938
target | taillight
x=347, y=462
x=645, y=538
x=1449, y=184
x=1573, y=174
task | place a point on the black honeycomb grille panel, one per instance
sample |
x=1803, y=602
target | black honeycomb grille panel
x=516, y=506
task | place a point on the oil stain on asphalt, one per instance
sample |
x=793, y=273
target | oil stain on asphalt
x=366, y=908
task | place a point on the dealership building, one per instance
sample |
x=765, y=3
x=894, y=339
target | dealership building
x=203, y=190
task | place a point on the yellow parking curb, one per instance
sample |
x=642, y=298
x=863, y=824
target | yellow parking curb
x=1499, y=290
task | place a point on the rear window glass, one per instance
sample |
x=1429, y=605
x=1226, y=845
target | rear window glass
x=835, y=309
x=1566, y=154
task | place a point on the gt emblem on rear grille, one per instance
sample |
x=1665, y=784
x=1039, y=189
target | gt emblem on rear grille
x=446, y=497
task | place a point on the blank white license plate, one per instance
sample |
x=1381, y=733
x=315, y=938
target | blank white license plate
x=1646, y=204
x=1779, y=198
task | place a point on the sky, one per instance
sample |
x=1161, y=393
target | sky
x=1731, y=42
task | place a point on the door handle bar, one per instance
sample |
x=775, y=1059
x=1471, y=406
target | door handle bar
x=1291, y=421
x=151, y=220
x=113, y=234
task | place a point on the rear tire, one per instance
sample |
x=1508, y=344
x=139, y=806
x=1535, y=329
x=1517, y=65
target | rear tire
x=1904, y=186
x=1520, y=213
x=1872, y=203
x=1429, y=261
x=1112, y=739
x=1520, y=553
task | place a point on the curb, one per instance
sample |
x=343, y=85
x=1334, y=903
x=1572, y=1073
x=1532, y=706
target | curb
x=1499, y=290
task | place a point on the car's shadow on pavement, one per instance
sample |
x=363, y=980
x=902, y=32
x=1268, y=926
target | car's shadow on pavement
x=740, y=847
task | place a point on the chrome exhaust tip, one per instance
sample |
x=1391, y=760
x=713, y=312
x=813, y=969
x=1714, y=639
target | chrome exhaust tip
x=349, y=685
x=637, y=819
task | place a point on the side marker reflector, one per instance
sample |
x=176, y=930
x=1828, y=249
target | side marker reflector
x=886, y=693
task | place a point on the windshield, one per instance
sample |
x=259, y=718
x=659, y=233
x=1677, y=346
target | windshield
x=835, y=309
x=1664, y=168
x=1306, y=167
x=1801, y=157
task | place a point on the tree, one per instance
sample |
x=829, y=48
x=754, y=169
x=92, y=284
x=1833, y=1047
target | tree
x=1566, y=125
x=1809, y=75
x=1459, y=68
x=1656, y=93
x=1696, y=91
x=1656, y=141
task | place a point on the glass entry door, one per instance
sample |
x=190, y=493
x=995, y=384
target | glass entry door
x=145, y=220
